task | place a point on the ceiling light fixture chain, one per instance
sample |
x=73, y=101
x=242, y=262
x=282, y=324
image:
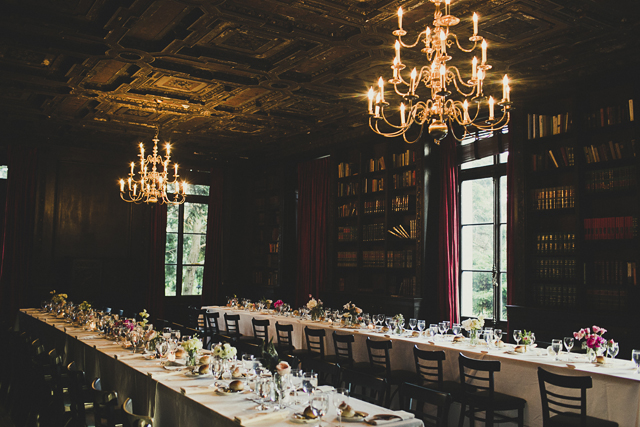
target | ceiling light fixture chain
x=152, y=184
x=439, y=111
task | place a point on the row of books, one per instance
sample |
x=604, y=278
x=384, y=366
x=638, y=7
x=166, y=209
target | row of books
x=265, y=278
x=373, y=185
x=375, y=165
x=607, y=299
x=554, y=198
x=553, y=159
x=610, y=273
x=555, y=269
x=405, y=179
x=555, y=243
x=373, y=258
x=401, y=203
x=373, y=232
x=347, y=259
x=348, y=189
x=347, y=234
x=270, y=235
x=374, y=206
x=611, y=228
x=541, y=125
x=403, y=159
x=274, y=248
x=611, y=179
x=406, y=287
x=348, y=209
x=612, y=115
x=345, y=169
x=555, y=296
x=400, y=259
x=609, y=151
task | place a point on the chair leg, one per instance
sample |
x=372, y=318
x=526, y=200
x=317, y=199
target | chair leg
x=520, y=417
x=489, y=416
x=463, y=407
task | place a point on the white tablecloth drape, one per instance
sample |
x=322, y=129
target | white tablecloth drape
x=616, y=387
x=161, y=397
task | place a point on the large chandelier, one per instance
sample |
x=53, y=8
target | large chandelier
x=439, y=111
x=151, y=184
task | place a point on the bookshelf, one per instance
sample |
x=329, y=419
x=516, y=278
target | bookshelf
x=266, y=241
x=582, y=163
x=378, y=227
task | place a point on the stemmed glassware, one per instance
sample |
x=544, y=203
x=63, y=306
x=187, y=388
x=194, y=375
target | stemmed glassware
x=320, y=404
x=556, y=345
x=412, y=324
x=264, y=390
x=340, y=401
x=421, y=325
x=517, y=336
x=381, y=318
x=497, y=335
x=613, y=350
x=568, y=344
x=455, y=329
x=309, y=383
x=447, y=326
x=433, y=329
x=635, y=356
x=441, y=329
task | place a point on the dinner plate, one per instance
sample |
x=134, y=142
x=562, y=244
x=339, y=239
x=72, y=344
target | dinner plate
x=301, y=419
x=189, y=373
x=223, y=391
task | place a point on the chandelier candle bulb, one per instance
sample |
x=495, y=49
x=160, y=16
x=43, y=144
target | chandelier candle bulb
x=135, y=189
x=370, y=96
x=400, y=18
x=129, y=183
x=397, y=47
x=168, y=149
x=402, y=121
x=414, y=72
x=443, y=38
x=122, y=185
x=484, y=52
x=132, y=165
x=474, y=66
x=491, y=117
x=475, y=24
x=466, y=119
x=443, y=72
x=447, y=7
x=505, y=88
x=381, y=86
x=377, y=105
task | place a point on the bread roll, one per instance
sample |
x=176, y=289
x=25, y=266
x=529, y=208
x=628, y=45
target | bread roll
x=310, y=413
x=205, y=360
x=415, y=334
x=458, y=339
x=520, y=349
x=180, y=353
x=500, y=344
x=204, y=369
x=237, y=373
x=601, y=360
x=347, y=411
x=236, y=385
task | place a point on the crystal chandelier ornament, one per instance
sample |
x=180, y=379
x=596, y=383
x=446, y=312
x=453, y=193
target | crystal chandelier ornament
x=439, y=112
x=151, y=184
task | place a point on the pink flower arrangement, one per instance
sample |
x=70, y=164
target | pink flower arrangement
x=593, y=339
x=278, y=304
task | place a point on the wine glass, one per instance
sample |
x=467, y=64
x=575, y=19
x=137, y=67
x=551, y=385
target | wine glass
x=320, y=404
x=556, y=345
x=441, y=328
x=264, y=392
x=455, y=329
x=412, y=324
x=166, y=333
x=568, y=344
x=447, y=326
x=613, y=350
x=421, y=326
x=635, y=356
x=308, y=381
x=340, y=401
x=433, y=329
x=497, y=335
x=517, y=336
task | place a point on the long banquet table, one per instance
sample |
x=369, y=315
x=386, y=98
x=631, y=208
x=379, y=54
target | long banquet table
x=155, y=391
x=616, y=387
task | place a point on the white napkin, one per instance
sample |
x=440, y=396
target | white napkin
x=89, y=337
x=250, y=419
x=160, y=375
x=403, y=415
x=127, y=356
x=196, y=390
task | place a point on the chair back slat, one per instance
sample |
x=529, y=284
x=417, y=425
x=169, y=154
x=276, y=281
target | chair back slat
x=365, y=387
x=315, y=340
x=261, y=329
x=232, y=322
x=477, y=375
x=560, y=393
x=429, y=366
x=342, y=344
x=283, y=333
x=413, y=398
x=379, y=353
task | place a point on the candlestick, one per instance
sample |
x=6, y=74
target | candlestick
x=132, y=164
x=443, y=71
x=378, y=105
x=475, y=24
x=474, y=66
x=175, y=173
x=414, y=72
x=443, y=39
x=402, y=121
x=122, y=185
x=491, y=117
x=381, y=86
x=400, y=18
x=395, y=68
x=484, y=52
x=129, y=181
x=370, y=96
x=135, y=189
x=397, y=47
x=168, y=149
x=465, y=117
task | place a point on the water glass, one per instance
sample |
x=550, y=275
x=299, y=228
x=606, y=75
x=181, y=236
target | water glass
x=613, y=350
x=412, y=324
x=433, y=329
x=447, y=326
x=455, y=329
x=568, y=344
x=320, y=404
x=635, y=356
x=309, y=382
x=497, y=335
x=421, y=325
x=340, y=401
x=556, y=345
x=517, y=336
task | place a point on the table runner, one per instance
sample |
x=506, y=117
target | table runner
x=159, y=397
x=615, y=394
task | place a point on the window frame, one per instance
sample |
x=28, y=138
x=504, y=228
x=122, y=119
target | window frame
x=495, y=171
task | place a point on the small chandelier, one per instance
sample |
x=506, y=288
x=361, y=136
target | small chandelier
x=439, y=112
x=151, y=185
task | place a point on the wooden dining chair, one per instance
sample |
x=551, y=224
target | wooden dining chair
x=429, y=366
x=478, y=394
x=413, y=398
x=211, y=329
x=285, y=340
x=105, y=406
x=195, y=318
x=133, y=420
x=80, y=408
x=363, y=386
x=565, y=402
x=232, y=323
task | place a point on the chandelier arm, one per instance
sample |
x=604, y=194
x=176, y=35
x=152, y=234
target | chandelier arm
x=457, y=73
x=409, y=46
x=404, y=136
x=475, y=44
x=494, y=126
x=395, y=87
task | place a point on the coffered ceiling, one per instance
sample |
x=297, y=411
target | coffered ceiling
x=229, y=79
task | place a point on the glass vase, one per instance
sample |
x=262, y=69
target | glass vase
x=192, y=357
x=473, y=337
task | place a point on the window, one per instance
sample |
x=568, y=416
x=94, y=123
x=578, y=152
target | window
x=186, y=243
x=4, y=171
x=483, y=237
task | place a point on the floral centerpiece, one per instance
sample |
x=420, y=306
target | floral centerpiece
x=472, y=326
x=224, y=351
x=191, y=347
x=594, y=341
x=528, y=337
x=266, y=303
x=269, y=354
x=352, y=313
x=278, y=305
x=316, y=308
x=144, y=316
x=58, y=298
x=399, y=323
x=84, y=306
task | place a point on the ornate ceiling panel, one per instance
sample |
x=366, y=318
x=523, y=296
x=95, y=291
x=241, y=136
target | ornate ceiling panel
x=229, y=79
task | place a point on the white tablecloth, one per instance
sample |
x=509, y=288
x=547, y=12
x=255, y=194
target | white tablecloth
x=133, y=376
x=616, y=387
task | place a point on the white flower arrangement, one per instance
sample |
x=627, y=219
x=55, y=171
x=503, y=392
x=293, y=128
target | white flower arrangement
x=224, y=351
x=283, y=368
x=192, y=345
x=473, y=324
x=144, y=316
x=312, y=304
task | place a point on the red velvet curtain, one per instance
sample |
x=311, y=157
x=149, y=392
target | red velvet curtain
x=18, y=229
x=157, y=242
x=313, y=201
x=449, y=235
x=213, y=255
